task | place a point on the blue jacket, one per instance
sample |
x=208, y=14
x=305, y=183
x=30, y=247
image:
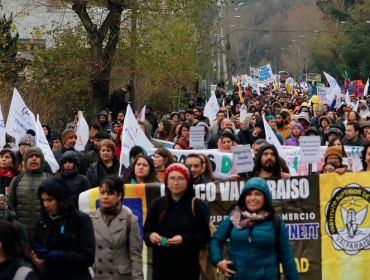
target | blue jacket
x=279, y=137
x=255, y=259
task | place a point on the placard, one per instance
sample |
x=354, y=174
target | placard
x=310, y=149
x=243, y=159
x=196, y=137
x=243, y=115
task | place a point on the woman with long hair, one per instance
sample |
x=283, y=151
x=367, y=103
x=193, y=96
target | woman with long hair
x=15, y=260
x=164, y=130
x=162, y=159
x=184, y=133
x=8, y=169
x=142, y=172
x=177, y=241
x=365, y=157
x=251, y=229
x=174, y=134
x=64, y=241
x=226, y=141
x=207, y=168
x=354, y=117
x=117, y=235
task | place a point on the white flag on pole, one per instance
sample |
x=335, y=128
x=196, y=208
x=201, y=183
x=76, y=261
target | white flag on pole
x=43, y=144
x=211, y=108
x=272, y=139
x=356, y=106
x=334, y=87
x=20, y=118
x=348, y=100
x=132, y=135
x=82, y=133
x=2, y=130
x=366, y=87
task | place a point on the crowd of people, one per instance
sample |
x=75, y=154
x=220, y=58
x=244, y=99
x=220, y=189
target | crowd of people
x=43, y=235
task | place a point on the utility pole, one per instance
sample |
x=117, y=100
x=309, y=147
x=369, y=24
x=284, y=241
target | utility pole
x=222, y=37
x=228, y=47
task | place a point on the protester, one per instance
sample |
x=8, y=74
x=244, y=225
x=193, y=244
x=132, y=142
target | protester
x=64, y=237
x=134, y=153
x=151, y=118
x=283, y=124
x=252, y=231
x=312, y=131
x=119, y=143
x=175, y=130
x=196, y=163
x=213, y=141
x=68, y=171
x=207, y=171
x=354, y=117
x=108, y=164
x=147, y=128
x=117, y=235
x=330, y=134
x=216, y=124
x=162, y=159
x=226, y=141
x=334, y=155
x=94, y=155
x=272, y=122
x=353, y=137
x=304, y=120
x=15, y=261
x=104, y=121
x=142, y=172
x=57, y=142
x=181, y=146
x=329, y=167
x=182, y=117
x=297, y=130
x=176, y=242
x=323, y=122
x=113, y=130
x=22, y=192
x=190, y=117
x=26, y=142
x=8, y=169
x=365, y=157
x=164, y=130
x=69, y=138
x=267, y=163
x=184, y=134
x=117, y=101
x=191, y=103
x=90, y=143
x=47, y=131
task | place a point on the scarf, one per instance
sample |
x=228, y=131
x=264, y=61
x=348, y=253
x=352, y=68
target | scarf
x=109, y=214
x=221, y=148
x=7, y=174
x=68, y=172
x=243, y=219
x=56, y=216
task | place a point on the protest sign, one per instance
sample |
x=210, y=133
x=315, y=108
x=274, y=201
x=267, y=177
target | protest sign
x=196, y=137
x=82, y=133
x=43, y=144
x=243, y=115
x=254, y=73
x=243, y=158
x=132, y=135
x=265, y=74
x=20, y=118
x=211, y=108
x=310, y=149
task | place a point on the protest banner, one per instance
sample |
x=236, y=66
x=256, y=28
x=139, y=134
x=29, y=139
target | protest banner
x=196, y=137
x=264, y=74
x=254, y=73
x=20, y=118
x=43, y=144
x=132, y=135
x=310, y=149
x=211, y=108
x=243, y=158
x=82, y=133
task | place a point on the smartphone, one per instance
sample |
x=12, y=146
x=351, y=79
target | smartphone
x=232, y=266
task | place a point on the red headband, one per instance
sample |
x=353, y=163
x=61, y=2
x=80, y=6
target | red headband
x=180, y=167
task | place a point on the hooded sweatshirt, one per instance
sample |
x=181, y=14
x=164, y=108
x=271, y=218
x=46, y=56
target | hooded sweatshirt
x=148, y=129
x=152, y=119
x=105, y=126
x=293, y=141
x=364, y=113
x=252, y=249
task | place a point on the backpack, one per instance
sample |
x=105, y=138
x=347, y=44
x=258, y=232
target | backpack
x=22, y=272
x=207, y=271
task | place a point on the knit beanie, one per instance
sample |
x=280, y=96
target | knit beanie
x=333, y=151
x=28, y=139
x=67, y=134
x=178, y=166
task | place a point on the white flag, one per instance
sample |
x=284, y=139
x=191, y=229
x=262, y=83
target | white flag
x=2, y=130
x=211, y=108
x=82, y=133
x=43, y=144
x=20, y=118
x=356, y=106
x=272, y=139
x=348, y=100
x=132, y=135
x=334, y=87
x=141, y=116
x=366, y=87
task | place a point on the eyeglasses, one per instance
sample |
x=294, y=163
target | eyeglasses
x=330, y=170
x=179, y=179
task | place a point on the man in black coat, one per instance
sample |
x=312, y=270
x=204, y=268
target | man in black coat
x=117, y=100
x=151, y=118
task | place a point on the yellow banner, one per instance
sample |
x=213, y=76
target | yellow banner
x=345, y=226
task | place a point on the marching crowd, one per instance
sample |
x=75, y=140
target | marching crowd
x=43, y=235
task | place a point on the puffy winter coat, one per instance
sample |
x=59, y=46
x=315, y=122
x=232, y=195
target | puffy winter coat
x=252, y=249
x=24, y=198
x=83, y=164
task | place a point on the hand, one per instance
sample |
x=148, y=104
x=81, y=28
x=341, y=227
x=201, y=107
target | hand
x=222, y=266
x=243, y=125
x=176, y=240
x=350, y=162
x=255, y=133
x=39, y=263
x=52, y=258
x=155, y=238
x=335, y=96
x=234, y=177
x=284, y=176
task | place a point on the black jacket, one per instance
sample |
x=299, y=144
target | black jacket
x=76, y=185
x=83, y=165
x=213, y=141
x=178, y=262
x=152, y=119
x=118, y=102
x=9, y=267
x=98, y=171
x=77, y=244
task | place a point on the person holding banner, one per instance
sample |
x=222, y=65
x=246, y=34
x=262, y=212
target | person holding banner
x=177, y=227
x=117, y=235
x=259, y=239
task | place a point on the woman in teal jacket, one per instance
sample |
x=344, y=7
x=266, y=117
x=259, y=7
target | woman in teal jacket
x=252, y=238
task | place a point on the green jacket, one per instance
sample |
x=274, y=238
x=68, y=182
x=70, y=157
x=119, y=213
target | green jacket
x=24, y=198
x=148, y=129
